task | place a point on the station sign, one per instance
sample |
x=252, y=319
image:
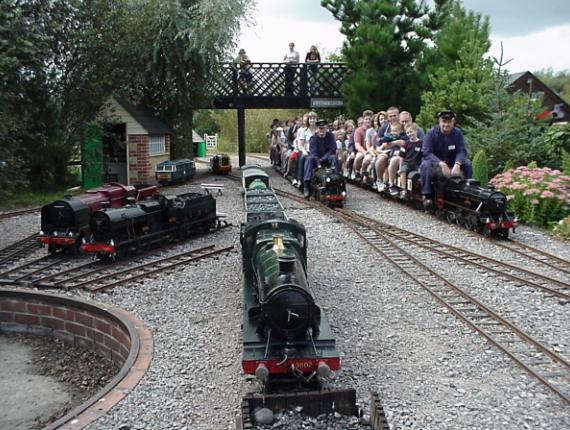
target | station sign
x=326, y=103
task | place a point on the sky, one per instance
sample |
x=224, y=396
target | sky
x=535, y=34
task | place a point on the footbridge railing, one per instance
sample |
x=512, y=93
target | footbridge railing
x=278, y=85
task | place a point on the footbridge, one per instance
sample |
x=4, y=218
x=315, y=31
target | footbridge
x=275, y=86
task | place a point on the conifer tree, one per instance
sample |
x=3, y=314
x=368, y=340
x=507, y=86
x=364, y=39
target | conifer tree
x=481, y=168
x=385, y=41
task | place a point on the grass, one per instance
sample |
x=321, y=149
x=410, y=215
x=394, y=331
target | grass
x=29, y=199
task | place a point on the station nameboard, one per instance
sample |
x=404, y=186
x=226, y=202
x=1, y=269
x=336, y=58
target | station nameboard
x=326, y=103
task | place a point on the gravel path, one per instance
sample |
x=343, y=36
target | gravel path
x=431, y=370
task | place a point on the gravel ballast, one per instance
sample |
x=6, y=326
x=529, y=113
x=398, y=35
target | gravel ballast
x=431, y=370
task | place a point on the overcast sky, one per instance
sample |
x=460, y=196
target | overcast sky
x=535, y=34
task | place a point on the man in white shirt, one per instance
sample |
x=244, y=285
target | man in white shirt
x=292, y=59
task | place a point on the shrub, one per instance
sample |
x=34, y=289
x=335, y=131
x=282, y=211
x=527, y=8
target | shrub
x=538, y=196
x=562, y=228
x=481, y=168
x=566, y=162
x=509, y=165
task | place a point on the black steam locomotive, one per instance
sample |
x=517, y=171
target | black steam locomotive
x=462, y=201
x=285, y=332
x=328, y=187
x=117, y=232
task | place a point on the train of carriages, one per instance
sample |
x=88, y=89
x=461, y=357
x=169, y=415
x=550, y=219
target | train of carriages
x=458, y=200
x=285, y=332
x=115, y=220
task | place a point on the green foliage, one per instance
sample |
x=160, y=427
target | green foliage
x=61, y=60
x=510, y=132
x=385, y=40
x=557, y=139
x=481, y=168
x=533, y=165
x=566, y=162
x=559, y=82
x=204, y=122
x=537, y=195
x=460, y=78
x=257, y=121
x=178, y=44
x=562, y=228
x=509, y=165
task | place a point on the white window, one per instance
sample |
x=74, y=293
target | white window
x=156, y=144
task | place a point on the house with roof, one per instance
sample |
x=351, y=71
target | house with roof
x=129, y=147
x=554, y=105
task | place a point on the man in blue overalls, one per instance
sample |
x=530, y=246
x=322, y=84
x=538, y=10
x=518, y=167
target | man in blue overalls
x=443, y=153
x=322, y=150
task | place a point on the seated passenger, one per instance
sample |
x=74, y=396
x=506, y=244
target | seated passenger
x=340, y=135
x=388, y=146
x=408, y=159
x=406, y=119
x=349, y=126
x=443, y=153
x=309, y=130
x=322, y=151
x=360, y=144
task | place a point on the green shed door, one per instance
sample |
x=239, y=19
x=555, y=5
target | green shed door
x=92, y=157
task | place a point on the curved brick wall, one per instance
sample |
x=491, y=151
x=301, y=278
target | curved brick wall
x=110, y=332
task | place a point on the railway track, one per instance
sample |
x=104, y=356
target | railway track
x=11, y=214
x=540, y=361
x=24, y=273
x=18, y=250
x=535, y=254
x=96, y=280
x=510, y=272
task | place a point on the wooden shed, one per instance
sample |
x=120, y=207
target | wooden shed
x=554, y=105
x=129, y=147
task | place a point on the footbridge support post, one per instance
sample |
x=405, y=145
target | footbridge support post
x=241, y=134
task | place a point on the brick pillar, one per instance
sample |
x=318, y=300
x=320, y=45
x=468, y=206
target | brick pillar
x=140, y=171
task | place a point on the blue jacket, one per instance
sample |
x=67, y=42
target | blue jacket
x=322, y=147
x=440, y=147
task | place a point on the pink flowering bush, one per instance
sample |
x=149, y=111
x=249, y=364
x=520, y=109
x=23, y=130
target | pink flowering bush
x=540, y=196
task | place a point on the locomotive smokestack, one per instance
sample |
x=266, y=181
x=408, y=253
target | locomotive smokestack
x=286, y=263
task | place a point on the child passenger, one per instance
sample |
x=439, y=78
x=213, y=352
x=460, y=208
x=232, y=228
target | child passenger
x=389, y=145
x=410, y=156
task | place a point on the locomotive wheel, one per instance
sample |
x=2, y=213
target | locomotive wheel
x=450, y=216
x=503, y=233
x=486, y=232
